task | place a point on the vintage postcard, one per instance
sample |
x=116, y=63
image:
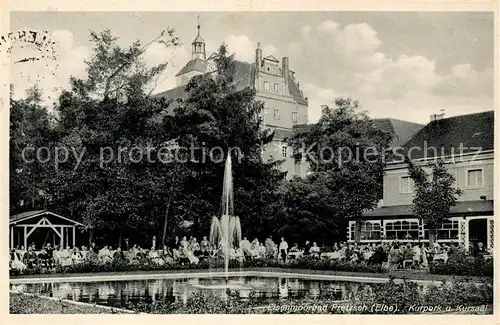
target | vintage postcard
x=307, y=162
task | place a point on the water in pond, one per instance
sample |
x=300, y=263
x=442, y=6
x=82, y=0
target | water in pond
x=121, y=293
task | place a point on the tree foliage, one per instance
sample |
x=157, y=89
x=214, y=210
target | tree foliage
x=30, y=129
x=346, y=154
x=434, y=194
x=113, y=179
x=215, y=119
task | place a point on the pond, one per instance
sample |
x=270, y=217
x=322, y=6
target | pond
x=119, y=293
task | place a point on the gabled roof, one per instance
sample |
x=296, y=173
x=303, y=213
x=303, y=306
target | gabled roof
x=472, y=131
x=13, y=219
x=402, y=130
x=271, y=58
x=195, y=64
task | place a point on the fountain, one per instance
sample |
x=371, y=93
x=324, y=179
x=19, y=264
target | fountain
x=227, y=231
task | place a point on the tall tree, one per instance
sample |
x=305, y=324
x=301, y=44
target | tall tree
x=346, y=154
x=218, y=118
x=30, y=133
x=109, y=110
x=434, y=195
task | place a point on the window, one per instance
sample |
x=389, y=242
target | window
x=448, y=229
x=475, y=177
x=276, y=113
x=352, y=231
x=284, y=151
x=276, y=88
x=401, y=230
x=406, y=185
x=266, y=86
x=294, y=117
x=370, y=231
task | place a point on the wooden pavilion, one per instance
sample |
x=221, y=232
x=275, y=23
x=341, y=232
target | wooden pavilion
x=42, y=224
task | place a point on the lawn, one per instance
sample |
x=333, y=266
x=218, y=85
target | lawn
x=21, y=303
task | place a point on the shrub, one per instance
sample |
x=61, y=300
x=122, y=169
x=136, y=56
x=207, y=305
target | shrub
x=400, y=295
x=463, y=265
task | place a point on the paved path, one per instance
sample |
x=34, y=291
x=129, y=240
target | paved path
x=418, y=276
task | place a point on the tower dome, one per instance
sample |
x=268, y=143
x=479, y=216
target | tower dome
x=198, y=45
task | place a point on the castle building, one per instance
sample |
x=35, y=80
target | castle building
x=275, y=84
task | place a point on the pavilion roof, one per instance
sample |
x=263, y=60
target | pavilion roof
x=13, y=219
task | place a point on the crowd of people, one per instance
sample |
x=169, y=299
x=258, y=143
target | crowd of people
x=190, y=251
x=406, y=255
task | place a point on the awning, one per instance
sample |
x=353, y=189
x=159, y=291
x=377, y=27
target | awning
x=467, y=207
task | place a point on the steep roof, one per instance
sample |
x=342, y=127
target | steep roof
x=244, y=74
x=294, y=90
x=244, y=77
x=195, y=64
x=402, y=130
x=472, y=131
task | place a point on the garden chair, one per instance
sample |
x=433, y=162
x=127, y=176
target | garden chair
x=406, y=262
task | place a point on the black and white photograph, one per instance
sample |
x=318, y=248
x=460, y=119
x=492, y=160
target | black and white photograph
x=250, y=162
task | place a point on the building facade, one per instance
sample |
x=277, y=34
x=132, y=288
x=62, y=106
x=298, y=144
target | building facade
x=472, y=219
x=274, y=82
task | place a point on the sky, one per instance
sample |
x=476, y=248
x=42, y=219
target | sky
x=404, y=65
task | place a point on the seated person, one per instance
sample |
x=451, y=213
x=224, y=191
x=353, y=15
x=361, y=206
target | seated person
x=167, y=256
x=15, y=262
x=195, y=247
x=43, y=258
x=261, y=250
x=65, y=258
x=246, y=248
x=205, y=247
x=378, y=257
x=105, y=255
x=30, y=258
x=77, y=256
x=314, y=251
x=119, y=256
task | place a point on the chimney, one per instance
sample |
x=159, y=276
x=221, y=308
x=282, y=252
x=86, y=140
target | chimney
x=258, y=57
x=285, y=68
x=437, y=117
